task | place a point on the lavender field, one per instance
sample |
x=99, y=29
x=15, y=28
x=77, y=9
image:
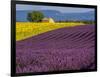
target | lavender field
x=62, y=49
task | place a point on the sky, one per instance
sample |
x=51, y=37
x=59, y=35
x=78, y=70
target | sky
x=60, y=9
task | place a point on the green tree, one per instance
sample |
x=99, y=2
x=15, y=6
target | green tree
x=35, y=16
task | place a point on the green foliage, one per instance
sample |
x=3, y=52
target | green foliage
x=35, y=16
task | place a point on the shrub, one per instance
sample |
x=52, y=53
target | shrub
x=35, y=16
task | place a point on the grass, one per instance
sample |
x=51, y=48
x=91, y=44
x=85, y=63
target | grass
x=27, y=29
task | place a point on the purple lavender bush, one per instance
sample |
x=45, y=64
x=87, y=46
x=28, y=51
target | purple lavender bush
x=57, y=50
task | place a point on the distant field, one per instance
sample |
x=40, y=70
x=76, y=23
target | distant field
x=26, y=29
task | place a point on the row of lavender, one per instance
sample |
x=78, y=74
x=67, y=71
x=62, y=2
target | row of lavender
x=62, y=49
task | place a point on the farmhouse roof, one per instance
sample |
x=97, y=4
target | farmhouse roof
x=45, y=19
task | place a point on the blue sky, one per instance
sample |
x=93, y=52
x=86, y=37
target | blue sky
x=60, y=9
